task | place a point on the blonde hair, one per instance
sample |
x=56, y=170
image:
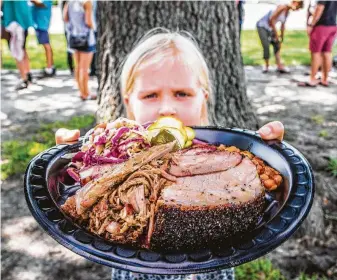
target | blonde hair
x=159, y=44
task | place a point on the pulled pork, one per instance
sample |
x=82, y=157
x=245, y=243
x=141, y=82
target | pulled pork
x=126, y=214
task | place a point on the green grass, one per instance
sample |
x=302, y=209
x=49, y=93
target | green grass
x=261, y=269
x=17, y=153
x=324, y=133
x=318, y=119
x=332, y=166
x=294, y=50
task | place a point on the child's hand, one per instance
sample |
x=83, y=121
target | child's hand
x=66, y=136
x=272, y=130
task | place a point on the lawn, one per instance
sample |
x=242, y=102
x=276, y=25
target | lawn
x=294, y=52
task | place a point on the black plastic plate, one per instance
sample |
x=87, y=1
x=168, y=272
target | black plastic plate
x=47, y=186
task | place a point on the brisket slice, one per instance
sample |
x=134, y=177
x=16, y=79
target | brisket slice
x=202, y=160
x=201, y=210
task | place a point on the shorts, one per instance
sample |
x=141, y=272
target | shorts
x=86, y=49
x=322, y=38
x=42, y=36
x=24, y=42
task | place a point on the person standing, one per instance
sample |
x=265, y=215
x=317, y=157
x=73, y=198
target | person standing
x=322, y=30
x=268, y=33
x=69, y=51
x=81, y=38
x=17, y=18
x=41, y=12
x=93, y=62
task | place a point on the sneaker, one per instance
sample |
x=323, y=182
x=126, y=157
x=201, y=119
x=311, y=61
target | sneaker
x=47, y=74
x=29, y=77
x=22, y=85
x=265, y=69
x=283, y=70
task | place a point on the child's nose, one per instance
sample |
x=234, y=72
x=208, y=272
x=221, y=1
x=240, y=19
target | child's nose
x=167, y=110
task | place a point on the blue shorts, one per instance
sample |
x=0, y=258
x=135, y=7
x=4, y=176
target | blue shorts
x=42, y=36
x=86, y=49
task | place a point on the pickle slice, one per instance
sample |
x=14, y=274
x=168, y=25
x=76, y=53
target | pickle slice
x=169, y=122
x=190, y=133
x=188, y=144
x=166, y=135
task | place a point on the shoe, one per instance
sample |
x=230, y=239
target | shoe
x=265, y=70
x=45, y=74
x=89, y=97
x=29, y=77
x=306, y=84
x=283, y=70
x=323, y=84
x=22, y=85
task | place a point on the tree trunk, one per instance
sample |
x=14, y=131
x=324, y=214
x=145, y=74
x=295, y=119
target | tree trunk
x=214, y=26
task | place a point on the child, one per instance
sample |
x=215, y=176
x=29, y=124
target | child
x=166, y=75
x=266, y=28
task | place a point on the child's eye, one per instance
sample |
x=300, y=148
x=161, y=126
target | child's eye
x=151, y=95
x=181, y=94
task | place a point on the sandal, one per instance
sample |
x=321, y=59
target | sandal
x=323, y=84
x=283, y=71
x=306, y=84
x=89, y=97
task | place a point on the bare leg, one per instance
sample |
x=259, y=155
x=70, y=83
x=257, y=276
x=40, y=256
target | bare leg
x=85, y=62
x=49, y=55
x=77, y=69
x=21, y=66
x=326, y=67
x=266, y=63
x=278, y=60
x=26, y=62
x=316, y=61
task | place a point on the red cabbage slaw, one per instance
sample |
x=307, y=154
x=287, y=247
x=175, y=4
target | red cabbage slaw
x=112, y=143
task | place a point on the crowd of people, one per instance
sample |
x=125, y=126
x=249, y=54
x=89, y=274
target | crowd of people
x=321, y=29
x=80, y=31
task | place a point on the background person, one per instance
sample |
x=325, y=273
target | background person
x=322, y=32
x=19, y=12
x=81, y=38
x=70, y=62
x=41, y=12
x=266, y=28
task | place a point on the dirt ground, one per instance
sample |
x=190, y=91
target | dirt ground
x=29, y=253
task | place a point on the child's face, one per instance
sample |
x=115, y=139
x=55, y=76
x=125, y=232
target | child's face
x=169, y=90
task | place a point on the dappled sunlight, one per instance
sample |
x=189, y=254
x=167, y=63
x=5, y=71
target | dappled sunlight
x=46, y=103
x=270, y=109
x=308, y=95
x=31, y=89
x=15, y=239
x=51, y=82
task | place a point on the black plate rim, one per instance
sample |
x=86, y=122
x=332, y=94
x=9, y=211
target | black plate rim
x=193, y=267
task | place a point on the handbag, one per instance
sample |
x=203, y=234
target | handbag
x=79, y=41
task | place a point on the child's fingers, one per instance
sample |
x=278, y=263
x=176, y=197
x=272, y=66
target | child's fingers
x=64, y=135
x=272, y=130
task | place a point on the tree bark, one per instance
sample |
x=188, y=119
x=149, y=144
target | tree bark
x=214, y=25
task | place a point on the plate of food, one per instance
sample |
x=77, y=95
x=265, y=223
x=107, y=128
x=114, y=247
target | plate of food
x=168, y=199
